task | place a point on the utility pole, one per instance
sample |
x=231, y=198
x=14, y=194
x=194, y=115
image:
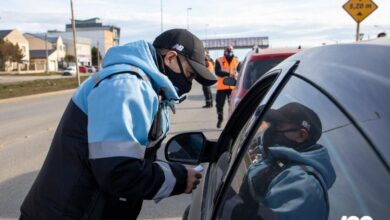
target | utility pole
x=47, y=55
x=74, y=43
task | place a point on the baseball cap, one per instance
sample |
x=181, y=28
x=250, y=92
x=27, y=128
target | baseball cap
x=189, y=46
x=298, y=114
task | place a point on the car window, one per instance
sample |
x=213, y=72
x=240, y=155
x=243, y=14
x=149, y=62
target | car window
x=255, y=69
x=306, y=160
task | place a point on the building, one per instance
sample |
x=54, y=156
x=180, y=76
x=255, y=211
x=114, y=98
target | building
x=38, y=60
x=83, y=50
x=41, y=42
x=17, y=38
x=83, y=45
x=60, y=46
x=102, y=36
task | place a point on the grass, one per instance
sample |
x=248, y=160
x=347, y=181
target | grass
x=10, y=90
x=32, y=74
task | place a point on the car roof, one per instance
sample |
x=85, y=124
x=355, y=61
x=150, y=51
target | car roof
x=268, y=53
x=357, y=76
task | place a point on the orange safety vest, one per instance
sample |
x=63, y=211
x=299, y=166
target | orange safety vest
x=230, y=68
x=210, y=66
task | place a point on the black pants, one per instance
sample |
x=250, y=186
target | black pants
x=208, y=97
x=220, y=101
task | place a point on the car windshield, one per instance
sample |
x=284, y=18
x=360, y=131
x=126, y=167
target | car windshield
x=256, y=69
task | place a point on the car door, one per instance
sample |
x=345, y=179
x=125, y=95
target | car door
x=348, y=179
x=204, y=199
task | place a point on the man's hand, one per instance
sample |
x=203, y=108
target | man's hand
x=193, y=179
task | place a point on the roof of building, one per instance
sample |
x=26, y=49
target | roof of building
x=94, y=23
x=4, y=33
x=40, y=53
x=42, y=37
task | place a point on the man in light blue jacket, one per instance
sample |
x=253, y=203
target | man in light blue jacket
x=101, y=164
x=291, y=176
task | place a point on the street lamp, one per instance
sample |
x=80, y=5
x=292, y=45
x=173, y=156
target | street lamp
x=188, y=18
x=162, y=29
x=207, y=25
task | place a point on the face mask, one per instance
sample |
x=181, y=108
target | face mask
x=179, y=81
x=228, y=53
x=272, y=137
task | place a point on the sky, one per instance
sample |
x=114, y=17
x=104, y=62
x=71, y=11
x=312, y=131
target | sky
x=287, y=23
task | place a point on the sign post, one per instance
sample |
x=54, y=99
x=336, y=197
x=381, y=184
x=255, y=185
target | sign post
x=359, y=10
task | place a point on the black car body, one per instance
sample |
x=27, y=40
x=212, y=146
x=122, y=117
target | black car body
x=347, y=86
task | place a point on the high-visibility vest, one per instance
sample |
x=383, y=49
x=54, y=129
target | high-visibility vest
x=230, y=68
x=210, y=66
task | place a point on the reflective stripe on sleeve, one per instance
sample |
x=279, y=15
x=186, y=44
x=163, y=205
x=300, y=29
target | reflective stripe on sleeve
x=169, y=183
x=116, y=149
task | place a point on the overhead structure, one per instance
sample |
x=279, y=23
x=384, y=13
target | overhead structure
x=237, y=43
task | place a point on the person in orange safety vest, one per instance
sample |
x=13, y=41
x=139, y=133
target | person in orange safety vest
x=226, y=66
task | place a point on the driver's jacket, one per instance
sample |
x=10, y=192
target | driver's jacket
x=102, y=146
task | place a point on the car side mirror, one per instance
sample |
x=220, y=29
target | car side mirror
x=229, y=81
x=186, y=148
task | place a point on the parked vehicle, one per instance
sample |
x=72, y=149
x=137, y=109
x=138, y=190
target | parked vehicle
x=91, y=69
x=259, y=170
x=256, y=63
x=83, y=69
x=70, y=71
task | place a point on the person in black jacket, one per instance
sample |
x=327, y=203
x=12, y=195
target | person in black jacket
x=101, y=163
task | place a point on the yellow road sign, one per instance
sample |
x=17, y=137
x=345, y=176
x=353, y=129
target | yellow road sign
x=360, y=9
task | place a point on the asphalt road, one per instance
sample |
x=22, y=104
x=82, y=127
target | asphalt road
x=27, y=126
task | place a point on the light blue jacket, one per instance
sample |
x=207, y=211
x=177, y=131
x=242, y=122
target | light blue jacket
x=296, y=193
x=125, y=116
x=121, y=108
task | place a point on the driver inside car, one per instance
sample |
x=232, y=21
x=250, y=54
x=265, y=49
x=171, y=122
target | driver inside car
x=290, y=175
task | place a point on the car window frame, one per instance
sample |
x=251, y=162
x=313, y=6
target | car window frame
x=282, y=75
x=230, y=132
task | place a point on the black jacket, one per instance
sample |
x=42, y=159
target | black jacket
x=70, y=186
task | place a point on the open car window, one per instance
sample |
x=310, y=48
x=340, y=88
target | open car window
x=332, y=173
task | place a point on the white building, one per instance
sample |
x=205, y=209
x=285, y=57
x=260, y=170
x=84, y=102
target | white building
x=83, y=49
x=83, y=45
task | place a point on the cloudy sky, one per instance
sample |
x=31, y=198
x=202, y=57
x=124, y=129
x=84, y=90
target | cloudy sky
x=287, y=23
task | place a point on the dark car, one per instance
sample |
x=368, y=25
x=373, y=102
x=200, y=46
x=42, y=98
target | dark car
x=256, y=63
x=310, y=140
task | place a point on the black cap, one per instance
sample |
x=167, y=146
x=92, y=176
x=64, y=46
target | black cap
x=188, y=45
x=298, y=114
